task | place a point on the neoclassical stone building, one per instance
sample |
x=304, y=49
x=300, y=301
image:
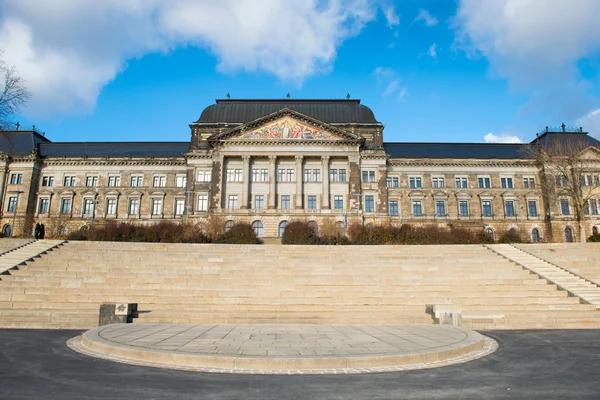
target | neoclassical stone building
x=268, y=162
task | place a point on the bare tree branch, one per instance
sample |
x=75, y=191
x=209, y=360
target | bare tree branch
x=13, y=93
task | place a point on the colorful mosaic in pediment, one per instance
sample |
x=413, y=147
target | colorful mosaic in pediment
x=288, y=129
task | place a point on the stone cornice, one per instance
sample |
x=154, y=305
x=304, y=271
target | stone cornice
x=460, y=163
x=82, y=161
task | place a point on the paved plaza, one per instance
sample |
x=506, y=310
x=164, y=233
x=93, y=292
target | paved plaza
x=285, y=349
x=549, y=364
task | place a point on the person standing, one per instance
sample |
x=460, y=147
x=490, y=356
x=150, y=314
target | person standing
x=42, y=231
x=37, y=230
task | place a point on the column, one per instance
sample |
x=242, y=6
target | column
x=2, y=186
x=223, y=177
x=299, y=176
x=272, y=181
x=325, y=175
x=245, y=181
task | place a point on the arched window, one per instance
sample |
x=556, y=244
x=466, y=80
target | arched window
x=340, y=228
x=314, y=227
x=535, y=235
x=569, y=234
x=258, y=228
x=512, y=231
x=282, y=226
x=489, y=232
x=228, y=225
x=7, y=230
x=62, y=231
x=595, y=230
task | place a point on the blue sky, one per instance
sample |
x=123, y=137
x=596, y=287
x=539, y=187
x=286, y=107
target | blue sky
x=431, y=70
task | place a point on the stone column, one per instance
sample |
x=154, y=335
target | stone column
x=246, y=182
x=2, y=186
x=272, y=181
x=325, y=161
x=223, y=177
x=299, y=182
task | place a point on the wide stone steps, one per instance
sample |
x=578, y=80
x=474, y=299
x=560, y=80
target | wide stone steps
x=20, y=255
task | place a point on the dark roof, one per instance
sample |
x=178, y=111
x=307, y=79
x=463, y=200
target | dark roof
x=114, y=149
x=329, y=111
x=579, y=139
x=20, y=142
x=456, y=150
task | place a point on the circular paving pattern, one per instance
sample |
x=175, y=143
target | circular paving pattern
x=284, y=349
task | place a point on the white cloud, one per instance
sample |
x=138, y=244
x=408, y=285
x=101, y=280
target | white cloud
x=590, y=123
x=387, y=77
x=426, y=17
x=536, y=45
x=502, y=138
x=391, y=17
x=432, y=52
x=68, y=50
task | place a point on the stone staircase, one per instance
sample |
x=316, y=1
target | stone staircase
x=199, y=283
x=566, y=280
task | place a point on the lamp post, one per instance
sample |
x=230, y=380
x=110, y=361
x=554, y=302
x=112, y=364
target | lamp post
x=12, y=231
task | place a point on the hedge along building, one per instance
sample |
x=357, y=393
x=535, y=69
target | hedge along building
x=268, y=162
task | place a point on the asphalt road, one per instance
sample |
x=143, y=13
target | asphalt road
x=37, y=364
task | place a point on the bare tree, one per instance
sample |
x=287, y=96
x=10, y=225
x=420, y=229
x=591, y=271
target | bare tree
x=13, y=93
x=574, y=176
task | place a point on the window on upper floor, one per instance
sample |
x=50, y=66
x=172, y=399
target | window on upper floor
x=532, y=208
x=91, y=181
x=159, y=181
x=417, y=208
x=285, y=202
x=484, y=182
x=486, y=208
x=509, y=208
x=179, y=206
x=312, y=202
x=44, y=206
x=393, y=208
x=415, y=182
x=461, y=182
x=47, y=180
x=114, y=180
x=368, y=176
x=338, y=202
x=69, y=180
x=440, y=208
x=180, y=181
x=528, y=182
x=392, y=181
x=438, y=182
x=16, y=179
x=202, y=202
x=203, y=176
x=506, y=182
x=564, y=207
x=561, y=180
x=369, y=203
x=463, y=208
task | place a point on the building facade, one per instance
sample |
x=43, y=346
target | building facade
x=268, y=162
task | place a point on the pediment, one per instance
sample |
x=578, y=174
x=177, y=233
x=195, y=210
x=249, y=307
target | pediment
x=112, y=193
x=463, y=195
x=417, y=194
x=486, y=195
x=89, y=193
x=133, y=193
x=440, y=195
x=591, y=153
x=45, y=193
x=508, y=195
x=286, y=126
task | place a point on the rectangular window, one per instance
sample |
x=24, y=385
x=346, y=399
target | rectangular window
x=233, y=202
x=371, y=176
x=180, y=181
x=238, y=175
x=159, y=181
x=392, y=182
x=66, y=206
x=137, y=180
x=369, y=203
x=317, y=175
x=91, y=181
x=438, y=183
x=528, y=183
x=333, y=175
x=440, y=208
x=230, y=175
x=509, y=208
x=157, y=206
x=114, y=180
x=47, y=181
x=561, y=180
x=88, y=206
x=532, y=208
x=463, y=208
x=415, y=182
x=134, y=206
x=285, y=201
x=461, y=183
x=256, y=175
x=564, y=207
x=596, y=180
x=259, y=202
x=202, y=202
x=365, y=176
x=342, y=175
x=594, y=206
x=16, y=179
x=307, y=175
x=484, y=182
x=203, y=176
x=111, y=206
x=417, y=208
x=69, y=180
x=290, y=175
x=12, y=204
x=280, y=175
x=507, y=183
x=179, y=206
x=586, y=208
x=44, y=206
x=393, y=208
x=264, y=175
x=312, y=202
x=590, y=181
x=486, y=208
x=338, y=202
